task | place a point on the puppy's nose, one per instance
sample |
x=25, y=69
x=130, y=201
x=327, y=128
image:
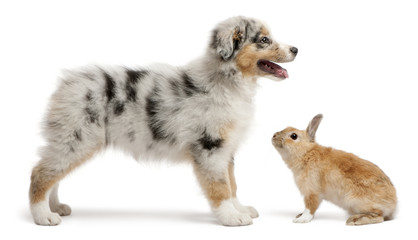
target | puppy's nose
x=294, y=50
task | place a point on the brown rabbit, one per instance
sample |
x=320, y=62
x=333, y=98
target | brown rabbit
x=342, y=178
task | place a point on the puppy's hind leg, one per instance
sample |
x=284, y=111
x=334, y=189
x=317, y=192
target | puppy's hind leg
x=44, y=186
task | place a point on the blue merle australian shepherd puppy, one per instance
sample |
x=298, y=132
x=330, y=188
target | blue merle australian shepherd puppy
x=197, y=113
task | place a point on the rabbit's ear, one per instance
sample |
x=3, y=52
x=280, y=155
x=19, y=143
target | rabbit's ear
x=313, y=126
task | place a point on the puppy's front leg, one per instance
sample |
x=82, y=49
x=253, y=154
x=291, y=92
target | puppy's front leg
x=244, y=209
x=213, y=176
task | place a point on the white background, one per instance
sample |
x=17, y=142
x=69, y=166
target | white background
x=356, y=65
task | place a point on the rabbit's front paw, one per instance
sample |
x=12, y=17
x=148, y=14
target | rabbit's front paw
x=304, y=217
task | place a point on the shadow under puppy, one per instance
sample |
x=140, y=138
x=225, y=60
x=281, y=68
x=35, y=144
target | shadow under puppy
x=355, y=184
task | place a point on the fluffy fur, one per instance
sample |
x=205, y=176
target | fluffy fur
x=356, y=185
x=196, y=113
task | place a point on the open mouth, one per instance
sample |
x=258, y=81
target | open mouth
x=272, y=68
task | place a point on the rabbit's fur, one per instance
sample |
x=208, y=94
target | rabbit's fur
x=342, y=178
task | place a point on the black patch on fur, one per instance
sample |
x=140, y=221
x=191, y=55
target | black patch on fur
x=77, y=135
x=174, y=85
x=130, y=92
x=110, y=87
x=209, y=143
x=133, y=77
x=92, y=115
x=256, y=37
x=236, y=45
x=89, y=96
x=153, y=107
x=119, y=108
x=131, y=136
x=190, y=88
x=156, y=125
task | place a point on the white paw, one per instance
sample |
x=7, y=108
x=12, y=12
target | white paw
x=47, y=219
x=245, y=209
x=61, y=209
x=251, y=211
x=228, y=215
x=238, y=219
x=42, y=215
x=305, y=217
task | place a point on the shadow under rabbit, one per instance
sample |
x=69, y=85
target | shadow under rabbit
x=327, y=215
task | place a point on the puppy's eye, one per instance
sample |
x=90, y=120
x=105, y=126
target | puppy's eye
x=265, y=40
x=294, y=136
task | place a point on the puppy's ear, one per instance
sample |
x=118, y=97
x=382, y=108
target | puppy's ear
x=227, y=41
x=313, y=126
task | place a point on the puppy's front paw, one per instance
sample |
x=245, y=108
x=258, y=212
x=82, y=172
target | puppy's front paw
x=47, y=219
x=245, y=209
x=304, y=217
x=235, y=219
x=228, y=215
x=61, y=209
x=251, y=211
x=42, y=214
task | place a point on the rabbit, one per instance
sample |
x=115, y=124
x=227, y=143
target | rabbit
x=324, y=173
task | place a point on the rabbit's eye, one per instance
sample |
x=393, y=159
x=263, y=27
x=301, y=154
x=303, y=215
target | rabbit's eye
x=294, y=136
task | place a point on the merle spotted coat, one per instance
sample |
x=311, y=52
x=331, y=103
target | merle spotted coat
x=197, y=113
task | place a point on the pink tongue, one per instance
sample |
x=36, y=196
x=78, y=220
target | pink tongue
x=281, y=73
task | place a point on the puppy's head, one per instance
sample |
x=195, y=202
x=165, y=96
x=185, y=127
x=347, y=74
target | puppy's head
x=248, y=43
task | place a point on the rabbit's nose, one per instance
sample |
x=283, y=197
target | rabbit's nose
x=276, y=135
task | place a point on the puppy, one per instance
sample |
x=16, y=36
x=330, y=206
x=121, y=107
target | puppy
x=355, y=184
x=197, y=113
